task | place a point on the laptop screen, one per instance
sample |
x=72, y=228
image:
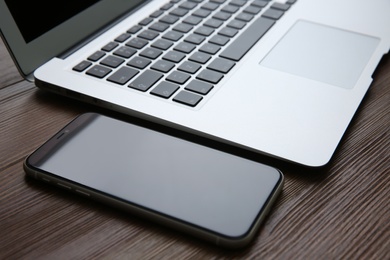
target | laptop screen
x=36, y=31
x=34, y=24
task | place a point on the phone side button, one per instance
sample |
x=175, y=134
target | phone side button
x=83, y=193
x=64, y=186
x=45, y=180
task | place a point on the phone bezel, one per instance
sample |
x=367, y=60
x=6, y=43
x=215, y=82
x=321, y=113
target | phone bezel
x=79, y=123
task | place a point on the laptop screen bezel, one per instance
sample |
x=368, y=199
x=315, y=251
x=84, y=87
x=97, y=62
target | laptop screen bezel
x=29, y=56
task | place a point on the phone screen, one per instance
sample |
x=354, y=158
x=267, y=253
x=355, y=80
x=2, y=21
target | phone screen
x=189, y=182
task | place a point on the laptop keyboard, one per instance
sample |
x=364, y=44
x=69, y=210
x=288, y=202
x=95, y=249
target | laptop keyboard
x=183, y=49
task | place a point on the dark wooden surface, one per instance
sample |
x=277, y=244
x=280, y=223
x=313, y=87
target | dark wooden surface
x=341, y=211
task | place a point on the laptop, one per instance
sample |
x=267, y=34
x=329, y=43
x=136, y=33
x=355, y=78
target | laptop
x=280, y=78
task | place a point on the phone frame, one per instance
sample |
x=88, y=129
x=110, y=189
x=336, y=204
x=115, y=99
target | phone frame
x=178, y=224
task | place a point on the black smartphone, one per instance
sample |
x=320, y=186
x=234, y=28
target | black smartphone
x=212, y=194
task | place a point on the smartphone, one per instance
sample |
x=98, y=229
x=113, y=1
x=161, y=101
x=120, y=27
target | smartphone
x=190, y=186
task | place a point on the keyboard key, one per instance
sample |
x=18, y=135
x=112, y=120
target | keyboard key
x=125, y=52
x=252, y=10
x=178, y=77
x=187, y=98
x=213, y=23
x=123, y=37
x=169, y=19
x=228, y=32
x=173, y=35
x=166, y=6
x=202, y=13
x=245, y=17
x=210, y=76
x=179, y=12
x=199, y=87
x=238, y=2
x=174, y=56
x=123, y=75
x=96, y=56
x=259, y=3
x=82, y=66
x=184, y=47
x=230, y=9
x=236, y=24
x=205, y=31
x=134, y=29
x=188, y=5
x=165, y=89
x=150, y=53
x=156, y=13
x=110, y=46
x=221, y=65
x=112, y=61
x=163, y=66
x=137, y=43
x=195, y=39
x=146, y=80
x=192, y=20
x=183, y=27
x=98, y=71
x=148, y=35
x=210, y=6
x=210, y=48
x=189, y=67
x=200, y=57
x=219, y=40
x=159, y=27
x=280, y=6
x=146, y=21
x=222, y=16
x=241, y=45
x=162, y=44
x=139, y=62
x=273, y=14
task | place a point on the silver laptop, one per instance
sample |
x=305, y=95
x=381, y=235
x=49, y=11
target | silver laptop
x=281, y=78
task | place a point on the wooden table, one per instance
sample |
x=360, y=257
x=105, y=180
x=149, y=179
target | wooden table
x=341, y=211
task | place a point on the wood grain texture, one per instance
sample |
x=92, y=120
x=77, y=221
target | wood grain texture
x=9, y=72
x=340, y=211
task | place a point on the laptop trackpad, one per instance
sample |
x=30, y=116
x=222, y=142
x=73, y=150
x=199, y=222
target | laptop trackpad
x=322, y=53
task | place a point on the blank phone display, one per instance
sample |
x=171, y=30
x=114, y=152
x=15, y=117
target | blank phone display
x=195, y=184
